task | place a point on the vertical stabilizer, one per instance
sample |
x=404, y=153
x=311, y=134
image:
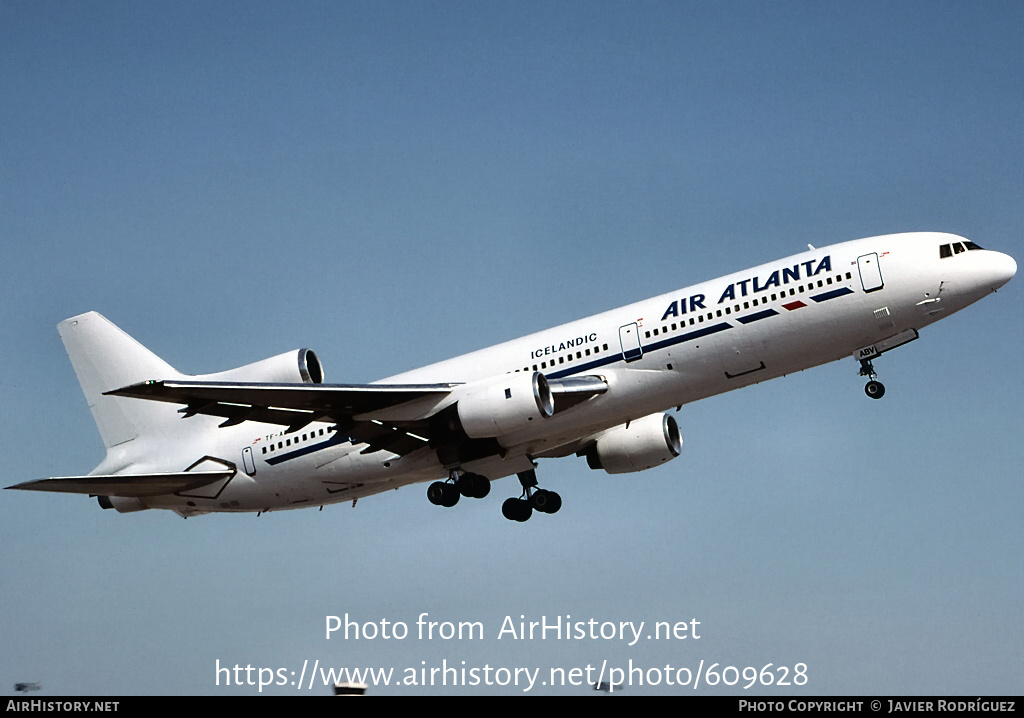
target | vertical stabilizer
x=105, y=358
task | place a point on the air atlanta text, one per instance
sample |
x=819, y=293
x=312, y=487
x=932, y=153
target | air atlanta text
x=753, y=285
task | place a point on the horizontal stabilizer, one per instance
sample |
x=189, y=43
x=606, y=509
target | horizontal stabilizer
x=127, y=484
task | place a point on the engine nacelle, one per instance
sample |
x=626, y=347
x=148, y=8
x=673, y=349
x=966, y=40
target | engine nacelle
x=123, y=504
x=504, y=404
x=298, y=365
x=638, y=445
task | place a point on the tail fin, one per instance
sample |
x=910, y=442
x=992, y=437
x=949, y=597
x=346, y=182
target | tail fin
x=105, y=358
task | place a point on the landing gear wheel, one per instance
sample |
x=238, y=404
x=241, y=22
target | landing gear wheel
x=516, y=510
x=875, y=389
x=451, y=495
x=441, y=494
x=435, y=493
x=547, y=502
x=473, y=486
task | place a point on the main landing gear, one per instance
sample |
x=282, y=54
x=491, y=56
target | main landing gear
x=532, y=499
x=875, y=389
x=447, y=493
x=475, y=486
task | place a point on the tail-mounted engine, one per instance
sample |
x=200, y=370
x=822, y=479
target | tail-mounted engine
x=297, y=366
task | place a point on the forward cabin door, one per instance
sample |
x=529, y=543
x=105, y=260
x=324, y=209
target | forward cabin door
x=870, y=272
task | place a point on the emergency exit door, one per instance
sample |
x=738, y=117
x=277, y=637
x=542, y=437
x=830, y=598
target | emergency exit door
x=629, y=339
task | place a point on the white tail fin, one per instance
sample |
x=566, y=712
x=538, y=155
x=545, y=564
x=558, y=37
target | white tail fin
x=105, y=358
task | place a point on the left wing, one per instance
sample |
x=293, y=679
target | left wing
x=383, y=416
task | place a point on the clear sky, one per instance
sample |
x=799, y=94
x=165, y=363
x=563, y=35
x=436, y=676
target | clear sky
x=392, y=184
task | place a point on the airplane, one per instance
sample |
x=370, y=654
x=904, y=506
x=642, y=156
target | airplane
x=272, y=435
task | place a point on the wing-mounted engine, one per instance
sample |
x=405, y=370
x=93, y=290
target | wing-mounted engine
x=636, y=445
x=504, y=404
x=297, y=366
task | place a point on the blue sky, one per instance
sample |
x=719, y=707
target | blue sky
x=392, y=184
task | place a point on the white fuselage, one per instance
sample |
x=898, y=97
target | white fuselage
x=774, y=319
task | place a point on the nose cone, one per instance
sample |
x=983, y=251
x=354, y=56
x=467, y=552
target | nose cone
x=1002, y=267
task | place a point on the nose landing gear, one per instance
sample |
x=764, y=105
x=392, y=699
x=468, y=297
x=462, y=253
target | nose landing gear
x=875, y=389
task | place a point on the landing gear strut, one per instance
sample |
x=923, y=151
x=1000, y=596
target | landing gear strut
x=875, y=389
x=446, y=493
x=532, y=499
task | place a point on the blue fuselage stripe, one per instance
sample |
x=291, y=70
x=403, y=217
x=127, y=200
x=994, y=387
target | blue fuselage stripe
x=758, y=316
x=832, y=295
x=335, y=440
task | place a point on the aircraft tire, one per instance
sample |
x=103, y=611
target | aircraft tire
x=451, y=495
x=508, y=509
x=554, y=502
x=483, y=487
x=547, y=502
x=516, y=510
x=474, y=486
x=435, y=493
x=875, y=389
x=524, y=510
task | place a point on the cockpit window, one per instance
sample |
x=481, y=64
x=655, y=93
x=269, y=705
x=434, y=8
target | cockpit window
x=948, y=250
